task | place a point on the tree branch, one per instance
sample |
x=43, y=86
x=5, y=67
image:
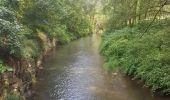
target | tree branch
x=147, y=29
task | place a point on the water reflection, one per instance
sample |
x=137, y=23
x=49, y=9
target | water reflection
x=74, y=72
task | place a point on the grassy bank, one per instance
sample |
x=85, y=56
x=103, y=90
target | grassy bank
x=144, y=56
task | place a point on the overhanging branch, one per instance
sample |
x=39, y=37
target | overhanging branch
x=147, y=29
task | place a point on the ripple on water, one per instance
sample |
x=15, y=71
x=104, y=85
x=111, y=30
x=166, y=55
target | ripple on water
x=74, y=72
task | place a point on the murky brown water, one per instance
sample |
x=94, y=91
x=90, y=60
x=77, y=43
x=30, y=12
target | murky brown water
x=75, y=72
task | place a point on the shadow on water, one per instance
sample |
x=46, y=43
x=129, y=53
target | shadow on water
x=75, y=72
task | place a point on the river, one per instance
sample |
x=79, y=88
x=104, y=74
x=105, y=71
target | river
x=75, y=72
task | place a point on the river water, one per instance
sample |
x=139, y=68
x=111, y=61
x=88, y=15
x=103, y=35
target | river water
x=75, y=72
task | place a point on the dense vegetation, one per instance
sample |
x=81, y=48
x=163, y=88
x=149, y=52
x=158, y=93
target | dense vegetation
x=137, y=41
x=28, y=30
x=26, y=26
x=136, y=38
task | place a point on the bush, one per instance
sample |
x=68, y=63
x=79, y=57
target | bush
x=9, y=30
x=146, y=58
x=62, y=36
x=30, y=49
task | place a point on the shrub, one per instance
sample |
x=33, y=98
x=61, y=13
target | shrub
x=145, y=58
x=9, y=29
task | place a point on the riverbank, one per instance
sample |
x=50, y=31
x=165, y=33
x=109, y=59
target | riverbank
x=141, y=55
x=17, y=83
x=28, y=31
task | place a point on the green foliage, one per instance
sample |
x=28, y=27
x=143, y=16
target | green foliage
x=145, y=58
x=9, y=36
x=29, y=49
x=61, y=36
x=7, y=14
x=48, y=16
x=4, y=68
x=141, y=51
x=13, y=97
x=26, y=26
x=122, y=13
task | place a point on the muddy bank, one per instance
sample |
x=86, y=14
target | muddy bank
x=17, y=84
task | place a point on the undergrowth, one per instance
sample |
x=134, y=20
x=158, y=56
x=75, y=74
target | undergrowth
x=146, y=58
